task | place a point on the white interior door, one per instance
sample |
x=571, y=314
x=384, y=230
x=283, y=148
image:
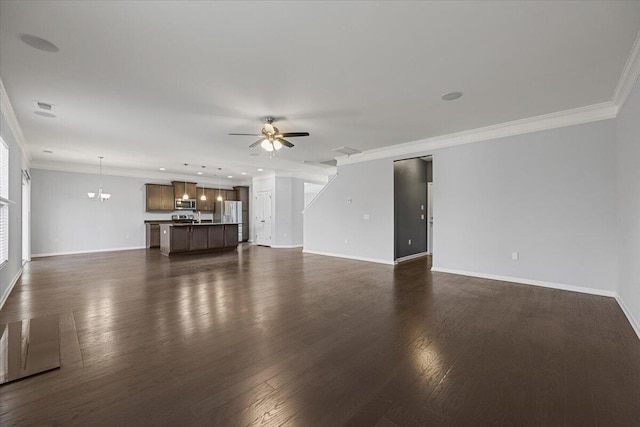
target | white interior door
x=430, y=216
x=263, y=218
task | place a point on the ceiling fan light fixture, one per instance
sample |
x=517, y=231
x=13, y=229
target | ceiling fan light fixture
x=277, y=144
x=266, y=144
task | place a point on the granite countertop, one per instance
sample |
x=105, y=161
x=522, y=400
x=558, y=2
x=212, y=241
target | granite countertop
x=169, y=221
x=204, y=223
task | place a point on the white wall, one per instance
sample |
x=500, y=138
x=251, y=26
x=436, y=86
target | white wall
x=65, y=220
x=628, y=195
x=289, y=197
x=311, y=190
x=548, y=195
x=10, y=271
x=333, y=225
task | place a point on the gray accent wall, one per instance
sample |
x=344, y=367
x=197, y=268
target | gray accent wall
x=628, y=197
x=410, y=179
x=10, y=271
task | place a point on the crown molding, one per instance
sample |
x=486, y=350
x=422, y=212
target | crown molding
x=315, y=178
x=575, y=116
x=12, y=121
x=629, y=76
x=156, y=177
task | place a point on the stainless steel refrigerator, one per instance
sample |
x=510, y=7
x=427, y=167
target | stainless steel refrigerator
x=232, y=213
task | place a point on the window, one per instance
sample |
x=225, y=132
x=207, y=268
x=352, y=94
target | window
x=4, y=202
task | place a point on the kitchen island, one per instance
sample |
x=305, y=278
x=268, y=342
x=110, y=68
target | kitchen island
x=188, y=238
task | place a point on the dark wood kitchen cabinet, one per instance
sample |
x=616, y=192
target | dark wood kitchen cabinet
x=199, y=238
x=160, y=198
x=209, y=204
x=178, y=189
x=153, y=235
x=181, y=238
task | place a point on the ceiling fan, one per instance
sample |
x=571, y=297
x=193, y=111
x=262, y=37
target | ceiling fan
x=270, y=137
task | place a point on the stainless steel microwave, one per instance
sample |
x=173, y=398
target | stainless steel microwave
x=185, y=204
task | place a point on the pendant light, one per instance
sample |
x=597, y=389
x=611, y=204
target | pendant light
x=185, y=196
x=203, y=197
x=219, y=191
x=102, y=196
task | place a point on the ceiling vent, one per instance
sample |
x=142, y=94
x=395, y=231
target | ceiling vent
x=44, y=109
x=346, y=150
x=44, y=106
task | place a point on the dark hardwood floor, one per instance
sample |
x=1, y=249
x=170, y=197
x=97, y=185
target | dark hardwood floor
x=276, y=337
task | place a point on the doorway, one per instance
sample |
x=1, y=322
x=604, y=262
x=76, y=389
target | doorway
x=413, y=185
x=430, y=217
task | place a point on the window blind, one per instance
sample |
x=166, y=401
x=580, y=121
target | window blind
x=4, y=199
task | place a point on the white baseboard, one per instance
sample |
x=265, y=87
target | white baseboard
x=89, y=251
x=286, y=246
x=552, y=285
x=10, y=288
x=634, y=322
x=357, y=258
x=410, y=257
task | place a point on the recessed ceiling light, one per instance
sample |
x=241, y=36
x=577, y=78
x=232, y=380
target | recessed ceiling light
x=451, y=96
x=38, y=43
x=229, y=176
x=44, y=114
x=199, y=173
x=163, y=169
x=243, y=173
x=47, y=151
x=260, y=170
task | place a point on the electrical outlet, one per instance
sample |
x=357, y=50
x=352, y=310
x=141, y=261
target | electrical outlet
x=409, y=242
x=421, y=216
x=365, y=217
x=515, y=256
x=421, y=207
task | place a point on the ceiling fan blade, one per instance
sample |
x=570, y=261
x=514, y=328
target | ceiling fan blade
x=246, y=134
x=294, y=134
x=285, y=142
x=256, y=143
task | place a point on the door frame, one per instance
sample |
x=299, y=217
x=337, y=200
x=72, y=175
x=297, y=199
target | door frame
x=257, y=241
